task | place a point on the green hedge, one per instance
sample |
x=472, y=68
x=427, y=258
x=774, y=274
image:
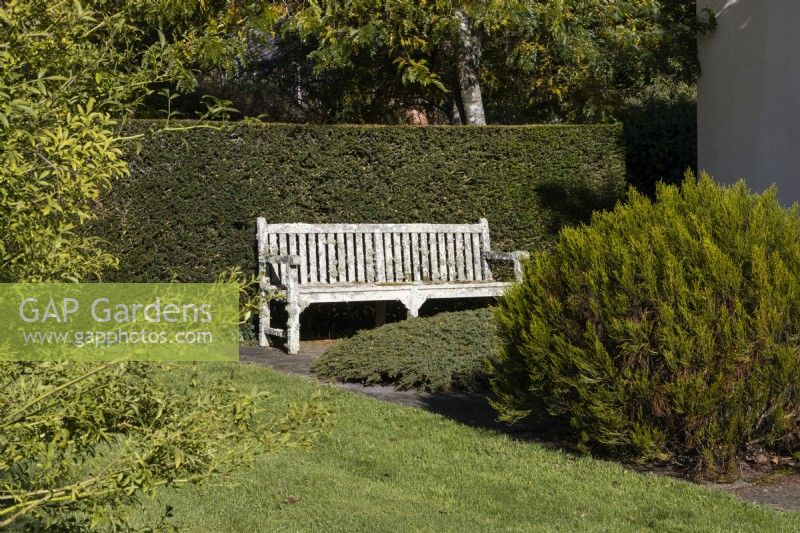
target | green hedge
x=189, y=206
x=661, y=135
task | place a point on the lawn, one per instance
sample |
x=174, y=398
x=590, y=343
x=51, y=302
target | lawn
x=382, y=467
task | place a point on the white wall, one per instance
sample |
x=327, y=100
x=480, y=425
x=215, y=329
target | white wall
x=749, y=94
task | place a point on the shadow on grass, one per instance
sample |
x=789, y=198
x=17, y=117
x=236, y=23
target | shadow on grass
x=474, y=409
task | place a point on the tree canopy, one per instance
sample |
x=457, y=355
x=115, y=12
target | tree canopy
x=371, y=61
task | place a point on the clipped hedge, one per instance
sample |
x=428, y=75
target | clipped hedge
x=440, y=353
x=666, y=330
x=661, y=134
x=189, y=206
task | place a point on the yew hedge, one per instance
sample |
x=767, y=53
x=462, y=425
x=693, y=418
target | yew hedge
x=188, y=208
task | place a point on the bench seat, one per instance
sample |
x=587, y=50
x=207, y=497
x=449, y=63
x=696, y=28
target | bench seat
x=402, y=292
x=340, y=263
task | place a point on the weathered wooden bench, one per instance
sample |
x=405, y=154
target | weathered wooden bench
x=410, y=263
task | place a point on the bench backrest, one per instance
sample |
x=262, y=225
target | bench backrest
x=378, y=253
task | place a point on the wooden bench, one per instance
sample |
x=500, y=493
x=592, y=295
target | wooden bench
x=410, y=263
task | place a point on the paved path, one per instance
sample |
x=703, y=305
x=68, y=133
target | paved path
x=468, y=408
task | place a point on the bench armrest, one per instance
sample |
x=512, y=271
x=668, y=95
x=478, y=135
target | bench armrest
x=517, y=257
x=292, y=261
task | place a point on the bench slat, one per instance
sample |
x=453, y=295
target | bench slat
x=333, y=271
x=341, y=258
x=369, y=258
x=359, y=237
x=405, y=240
x=397, y=258
x=312, y=258
x=415, y=256
x=272, y=245
x=451, y=257
x=302, y=251
x=380, y=261
x=283, y=249
x=350, y=255
x=388, y=255
x=441, y=245
x=292, y=248
x=460, y=256
x=477, y=259
x=322, y=257
x=469, y=268
x=424, y=257
x=434, y=256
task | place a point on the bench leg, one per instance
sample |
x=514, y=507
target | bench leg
x=293, y=332
x=413, y=311
x=294, y=309
x=263, y=321
x=380, y=314
x=412, y=305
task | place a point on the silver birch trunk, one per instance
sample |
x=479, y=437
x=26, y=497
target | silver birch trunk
x=469, y=53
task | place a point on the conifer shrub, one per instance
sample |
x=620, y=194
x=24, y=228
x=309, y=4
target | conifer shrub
x=666, y=330
x=439, y=353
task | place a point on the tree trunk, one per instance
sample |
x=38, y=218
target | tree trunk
x=469, y=54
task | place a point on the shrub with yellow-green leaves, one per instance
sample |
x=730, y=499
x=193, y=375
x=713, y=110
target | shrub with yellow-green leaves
x=82, y=443
x=79, y=442
x=666, y=330
x=58, y=151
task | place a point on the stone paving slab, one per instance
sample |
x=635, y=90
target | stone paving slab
x=298, y=364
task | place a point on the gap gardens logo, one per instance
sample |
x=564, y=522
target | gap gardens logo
x=112, y=321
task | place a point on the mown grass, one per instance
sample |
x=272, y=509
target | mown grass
x=382, y=467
